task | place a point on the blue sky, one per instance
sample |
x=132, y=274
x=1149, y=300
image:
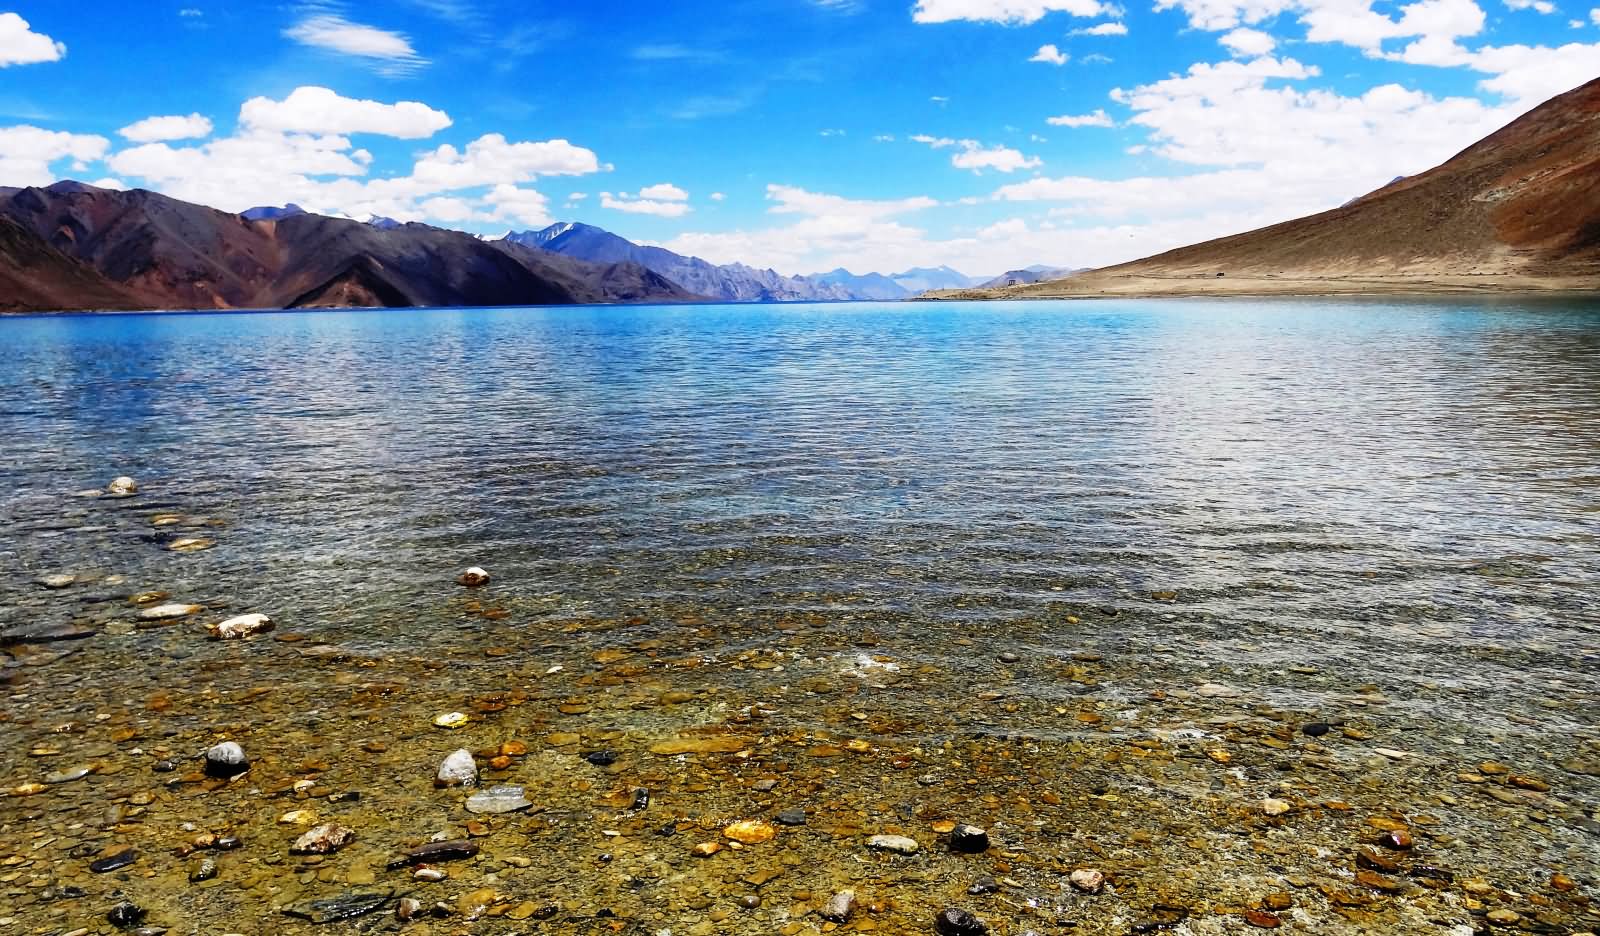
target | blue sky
x=797, y=134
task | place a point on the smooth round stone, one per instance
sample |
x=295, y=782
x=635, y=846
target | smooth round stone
x=123, y=486
x=1274, y=807
x=899, y=844
x=1088, y=880
x=67, y=776
x=245, y=625
x=451, y=720
x=498, y=800
x=226, y=761
x=459, y=769
x=473, y=577
x=55, y=582
x=168, y=612
x=1316, y=729
x=954, y=921
x=791, y=817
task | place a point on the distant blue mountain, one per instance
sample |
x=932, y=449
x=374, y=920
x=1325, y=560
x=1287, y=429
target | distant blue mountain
x=734, y=282
x=868, y=286
x=272, y=214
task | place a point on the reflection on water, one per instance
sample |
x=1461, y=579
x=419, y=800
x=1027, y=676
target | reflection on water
x=1380, y=511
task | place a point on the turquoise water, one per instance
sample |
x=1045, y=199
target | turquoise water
x=1386, y=511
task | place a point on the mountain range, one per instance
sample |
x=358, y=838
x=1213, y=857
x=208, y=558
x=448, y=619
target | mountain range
x=1518, y=210
x=74, y=246
x=736, y=282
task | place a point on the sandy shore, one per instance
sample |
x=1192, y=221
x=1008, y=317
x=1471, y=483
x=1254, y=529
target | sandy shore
x=1107, y=284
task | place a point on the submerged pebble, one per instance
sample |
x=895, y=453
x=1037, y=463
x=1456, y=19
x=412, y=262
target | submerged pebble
x=498, y=800
x=954, y=921
x=226, y=761
x=245, y=625
x=899, y=844
x=459, y=769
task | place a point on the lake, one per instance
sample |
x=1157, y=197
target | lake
x=1114, y=580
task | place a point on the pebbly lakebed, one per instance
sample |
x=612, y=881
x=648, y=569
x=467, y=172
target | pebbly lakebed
x=1190, y=617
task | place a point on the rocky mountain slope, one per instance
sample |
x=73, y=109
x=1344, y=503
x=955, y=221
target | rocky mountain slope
x=1519, y=209
x=142, y=250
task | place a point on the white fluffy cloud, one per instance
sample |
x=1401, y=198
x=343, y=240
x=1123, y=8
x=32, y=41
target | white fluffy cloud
x=664, y=192
x=975, y=157
x=1538, y=6
x=1248, y=42
x=998, y=158
x=322, y=111
x=157, y=129
x=20, y=45
x=1050, y=55
x=662, y=201
x=299, y=149
x=1002, y=11
x=28, y=155
x=1424, y=32
x=1097, y=119
x=822, y=231
x=1104, y=29
x=389, y=52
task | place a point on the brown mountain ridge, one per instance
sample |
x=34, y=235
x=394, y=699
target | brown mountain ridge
x=73, y=246
x=1518, y=210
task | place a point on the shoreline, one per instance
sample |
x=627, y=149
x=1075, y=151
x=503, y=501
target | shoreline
x=1209, y=285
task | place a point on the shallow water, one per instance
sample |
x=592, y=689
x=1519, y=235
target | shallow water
x=997, y=546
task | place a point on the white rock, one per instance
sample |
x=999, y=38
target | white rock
x=838, y=909
x=898, y=844
x=226, y=760
x=499, y=800
x=123, y=486
x=57, y=581
x=323, y=840
x=1213, y=690
x=1275, y=807
x=245, y=625
x=473, y=577
x=459, y=769
x=1088, y=880
x=167, y=612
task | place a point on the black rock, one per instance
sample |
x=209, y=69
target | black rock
x=43, y=633
x=641, y=799
x=791, y=817
x=984, y=885
x=1316, y=729
x=954, y=921
x=969, y=839
x=227, y=843
x=436, y=851
x=348, y=796
x=601, y=758
x=343, y=907
x=120, y=860
x=126, y=915
x=163, y=766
